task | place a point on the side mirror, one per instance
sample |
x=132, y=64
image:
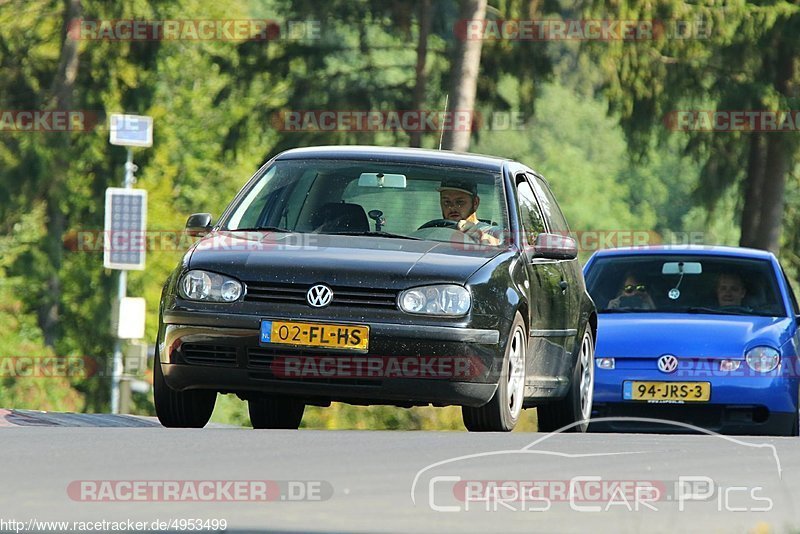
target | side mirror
x=555, y=247
x=198, y=224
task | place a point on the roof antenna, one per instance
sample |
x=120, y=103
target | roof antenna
x=441, y=132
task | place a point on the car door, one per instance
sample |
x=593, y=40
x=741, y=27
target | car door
x=546, y=308
x=571, y=283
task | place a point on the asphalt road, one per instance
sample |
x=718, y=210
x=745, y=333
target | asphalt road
x=87, y=468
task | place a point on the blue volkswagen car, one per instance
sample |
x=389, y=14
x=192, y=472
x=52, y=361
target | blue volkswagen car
x=702, y=335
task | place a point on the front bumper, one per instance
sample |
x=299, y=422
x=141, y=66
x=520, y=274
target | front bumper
x=405, y=365
x=739, y=403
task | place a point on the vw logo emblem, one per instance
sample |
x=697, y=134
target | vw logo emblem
x=319, y=296
x=668, y=363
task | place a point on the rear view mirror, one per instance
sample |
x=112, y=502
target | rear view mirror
x=682, y=267
x=379, y=179
x=198, y=224
x=555, y=247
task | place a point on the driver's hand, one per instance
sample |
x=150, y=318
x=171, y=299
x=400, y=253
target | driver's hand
x=475, y=233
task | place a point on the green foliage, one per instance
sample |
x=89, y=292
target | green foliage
x=22, y=350
x=738, y=55
x=582, y=152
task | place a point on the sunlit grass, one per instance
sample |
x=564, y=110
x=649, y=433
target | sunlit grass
x=339, y=416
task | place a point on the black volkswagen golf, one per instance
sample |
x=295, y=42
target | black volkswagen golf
x=375, y=275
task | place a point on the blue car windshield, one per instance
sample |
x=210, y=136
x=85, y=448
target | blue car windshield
x=720, y=285
x=366, y=197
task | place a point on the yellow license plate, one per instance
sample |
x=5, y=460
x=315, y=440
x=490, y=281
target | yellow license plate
x=334, y=336
x=667, y=391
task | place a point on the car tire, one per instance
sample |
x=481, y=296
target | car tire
x=577, y=403
x=268, y=411
x=180, y=409
x=502, y=412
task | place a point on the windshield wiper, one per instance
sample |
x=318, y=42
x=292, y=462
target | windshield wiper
x=716, y=311
x=374, y=234
x=261, y=229
x=626, y=310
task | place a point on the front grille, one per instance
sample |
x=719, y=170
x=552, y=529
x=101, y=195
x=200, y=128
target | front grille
x=209, y=354
x=262, y=360
x=342, y=296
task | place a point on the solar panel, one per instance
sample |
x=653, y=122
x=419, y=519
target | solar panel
x=125, y=225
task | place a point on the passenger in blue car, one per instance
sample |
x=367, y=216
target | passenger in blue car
x=730, y=289
x=632, y=294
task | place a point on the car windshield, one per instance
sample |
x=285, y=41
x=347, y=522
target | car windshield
x=685, y=284
x=356, y=197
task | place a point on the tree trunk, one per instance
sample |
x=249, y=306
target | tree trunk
x=768, y=236
x=421, y=73
x=754, y=182
x=465, y=68
x=61, y=91
x=780, y=148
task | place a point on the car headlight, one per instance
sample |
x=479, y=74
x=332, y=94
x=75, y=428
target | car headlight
x=763, y=359
x=209, y=287
x=444, y=299
x=606, y=363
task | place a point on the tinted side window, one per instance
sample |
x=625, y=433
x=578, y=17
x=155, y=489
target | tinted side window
x=558, y=223
x=530, y=215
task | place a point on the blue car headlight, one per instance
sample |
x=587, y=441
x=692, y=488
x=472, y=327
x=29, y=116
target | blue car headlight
x=443, y=299
x=763, y=359
x=209, y=287
x=606, y=363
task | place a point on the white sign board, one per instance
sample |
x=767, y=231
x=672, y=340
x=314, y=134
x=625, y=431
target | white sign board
x=130, y=318
x=130, y=130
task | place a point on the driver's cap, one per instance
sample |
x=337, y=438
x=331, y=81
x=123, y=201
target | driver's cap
x=471, y=188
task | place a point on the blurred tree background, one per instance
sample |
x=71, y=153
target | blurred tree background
x=594, y=122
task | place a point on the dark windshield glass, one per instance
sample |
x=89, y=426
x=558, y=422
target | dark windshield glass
x=362, y=197
x=708, y=284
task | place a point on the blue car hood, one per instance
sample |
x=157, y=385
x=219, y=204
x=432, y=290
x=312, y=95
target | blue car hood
x=642, y=335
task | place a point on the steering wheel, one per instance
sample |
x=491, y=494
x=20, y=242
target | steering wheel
x=440, y=223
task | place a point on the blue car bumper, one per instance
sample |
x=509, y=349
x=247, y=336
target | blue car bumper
x=739, y=403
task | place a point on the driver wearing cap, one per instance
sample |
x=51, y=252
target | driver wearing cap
x=459, y=201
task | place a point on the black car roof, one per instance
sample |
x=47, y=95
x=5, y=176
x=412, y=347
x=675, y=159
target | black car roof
x=395, y=154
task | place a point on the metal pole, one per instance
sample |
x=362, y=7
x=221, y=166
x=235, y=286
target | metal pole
x=122, y=290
